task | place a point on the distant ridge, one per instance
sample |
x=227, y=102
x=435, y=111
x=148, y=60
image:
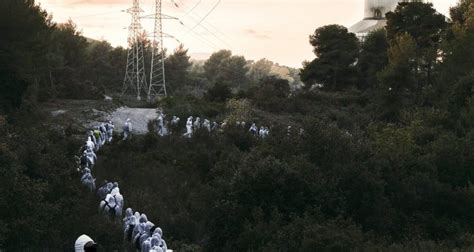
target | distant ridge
x=200, y=56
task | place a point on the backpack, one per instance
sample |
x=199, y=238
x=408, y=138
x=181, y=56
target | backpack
x=112, y=211
x=97, y=134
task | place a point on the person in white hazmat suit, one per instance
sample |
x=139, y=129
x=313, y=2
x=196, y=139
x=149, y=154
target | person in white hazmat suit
x=214, y=126
x=128, y=231
x=110, y=207
x=91, y=158
x=175, y=121
x=110, y=130
x=253, y=129
x=103, y=134
x=197, y=123
x=90, y=133
x=160, y=125
x=85, y=244
x=128, y=216
x=115, y=193
x=174, y=124
x=207, y=125
x=189, y=127
x=90, y=145
x=158, y=233
x=88, y=180
x=127, y=129
x=266, y=132
x=261, y=132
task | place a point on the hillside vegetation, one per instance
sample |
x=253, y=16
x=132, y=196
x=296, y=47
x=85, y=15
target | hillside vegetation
x=385, y=161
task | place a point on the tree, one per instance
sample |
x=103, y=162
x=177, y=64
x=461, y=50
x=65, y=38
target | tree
x=457, y=13
x=461, y=93
x=24, y=28
x=398, y=78
x=260, y=69
x=71, y=76
x=220, y=92
x=71, y=43
x=118, y=61
x=99, y=67
x=197, y=80
x=422, y=22
x=336, y=50
x=212, y=66
x=234, y=72
x=228, y=69
x=458, y=56
x=418, y=19
x=177, y=67
x=373, y=58
x=271, y=92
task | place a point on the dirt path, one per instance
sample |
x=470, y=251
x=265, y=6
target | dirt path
x=85, y=114
x=139, y=117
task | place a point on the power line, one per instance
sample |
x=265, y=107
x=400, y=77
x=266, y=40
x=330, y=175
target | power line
x=205, y=21
x=199, y=36
x=194, y=7
x=217, y=29
x=207, y=14
x=189, y=31
x=210, y=32
x=204, y=41
x=200, y=23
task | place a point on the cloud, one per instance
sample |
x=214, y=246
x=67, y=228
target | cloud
x=258, y=35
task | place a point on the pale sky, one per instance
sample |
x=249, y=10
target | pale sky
x=274, y=29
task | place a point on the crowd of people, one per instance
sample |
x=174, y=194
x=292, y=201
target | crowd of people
x=96, y=138
x=194, y=124
x=141, y=233
x=164, y=127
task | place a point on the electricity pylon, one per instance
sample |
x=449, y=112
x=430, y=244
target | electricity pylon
x=157, y=87
x=135, y=78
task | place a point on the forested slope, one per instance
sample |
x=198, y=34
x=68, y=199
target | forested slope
x=385, y=161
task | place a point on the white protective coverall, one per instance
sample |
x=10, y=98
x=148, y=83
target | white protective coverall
x=81, y=242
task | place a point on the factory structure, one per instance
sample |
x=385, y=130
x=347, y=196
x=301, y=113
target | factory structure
x=374, y=16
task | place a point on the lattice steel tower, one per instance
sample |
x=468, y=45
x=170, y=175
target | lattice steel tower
x=135, y=79
x=157, y=87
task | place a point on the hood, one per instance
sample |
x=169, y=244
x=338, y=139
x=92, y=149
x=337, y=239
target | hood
x=158, y=231
x=133, y=220
x=146, y=246
x=142, y=227
x=111, y=201
x=128, y=212
x=143, y=218
x=80, y=242
x=155, y=241
x=115, y=191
